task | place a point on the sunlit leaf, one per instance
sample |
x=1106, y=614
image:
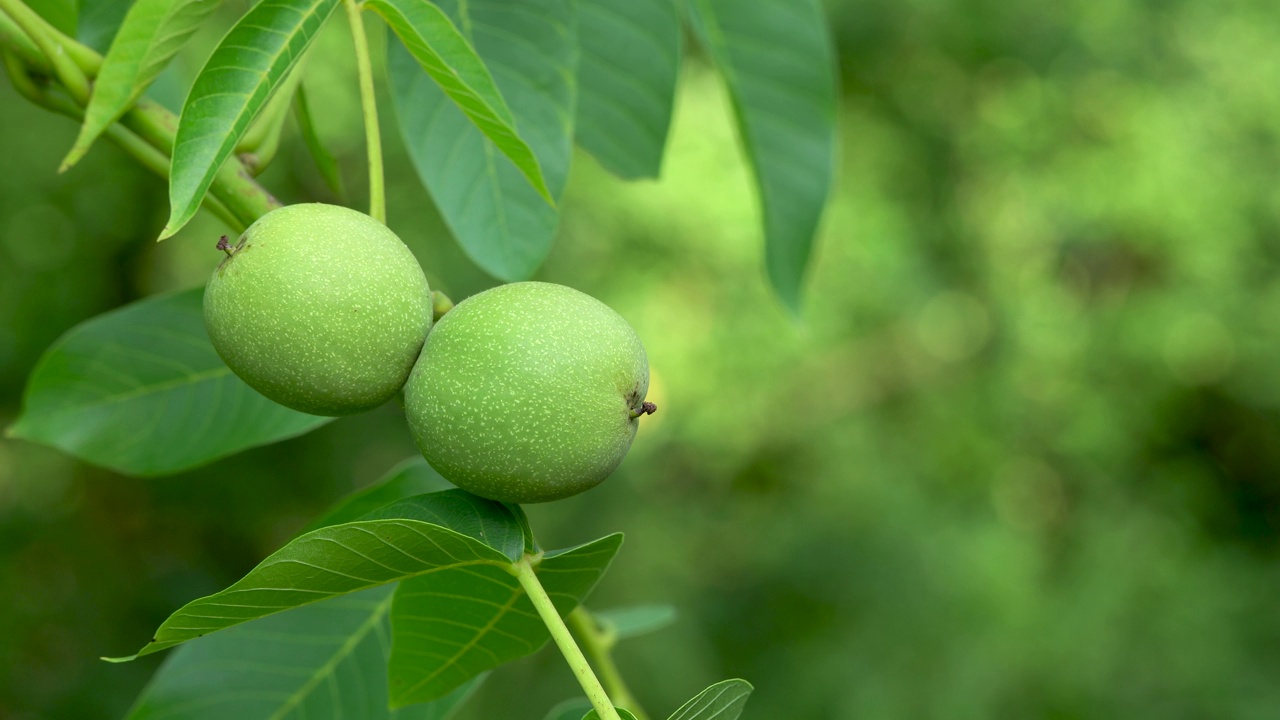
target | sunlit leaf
x=502, y=223
x=327, y=660
x=778, y=61
x=237, y=81
x=141, y=390
x=446, y=55
x=450, y=626
x=627, y=81
x=722, y=701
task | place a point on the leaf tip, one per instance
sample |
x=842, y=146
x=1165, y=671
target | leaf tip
x=118, y=660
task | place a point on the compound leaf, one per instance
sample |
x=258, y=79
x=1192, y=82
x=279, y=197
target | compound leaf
x=411, y=477
x=627, y=82
x=448, y=627
x=141, y=390
x=246, y=68
x=777, y=59
x=153, y=32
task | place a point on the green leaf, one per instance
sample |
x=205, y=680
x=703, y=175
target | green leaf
x=152, y=33
x=571, y=709
x=99, y=21
x=237, y=81
x=502, y=223
x=722, y=701
x=448, y=627
x=326, y=163
x=326, y=660
x=627, y=82
x=62, y=14
x=409, y=478
x=350, y=557
x=777, y=59
x=141, y=390
x=629, y=622
x=622, y=713
x=444, y=53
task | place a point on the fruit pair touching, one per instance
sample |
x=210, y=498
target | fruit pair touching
x=528, y=392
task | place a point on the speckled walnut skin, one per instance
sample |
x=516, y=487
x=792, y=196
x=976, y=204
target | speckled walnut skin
x=320, y=308
x=528, y=392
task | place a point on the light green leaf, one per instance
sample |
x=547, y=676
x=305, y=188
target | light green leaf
x=502, y=223
x=327, y=660
x=152, y=33
x=409, y=478
x=99, y=21
x=141, y=390
x=237, y=81
x=444, y=53
x=350, y=557
x=450, y=626
x=628, y=622
x=777, y=59
x=627, y=81
x=624, y=714
x=722, y=701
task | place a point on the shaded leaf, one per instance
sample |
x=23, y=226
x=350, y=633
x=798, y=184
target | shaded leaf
x=141, y=390
x=326, y=660
x=337, y=560
x=502, y=223
x=409, y=478
x=237, y=81
x=446, y=55
x=628, y=622
x=622, y=713
x=153, y=32
x=326, y=163
x=627, y=81
x=569, y=709
x=99, y=20
x=777, y=59
x=722, y=701
x=450, y=626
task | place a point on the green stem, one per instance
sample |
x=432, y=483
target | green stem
x=52, y=44
x=369, y=103
x=598, y=644
x=560, y=633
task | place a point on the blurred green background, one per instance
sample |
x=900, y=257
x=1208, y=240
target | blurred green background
x=1020, y=457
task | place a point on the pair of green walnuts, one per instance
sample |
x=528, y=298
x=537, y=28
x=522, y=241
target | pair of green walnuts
x=528, y=392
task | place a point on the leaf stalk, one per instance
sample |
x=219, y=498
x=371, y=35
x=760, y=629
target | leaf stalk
x=369, y=104
x=598, y=643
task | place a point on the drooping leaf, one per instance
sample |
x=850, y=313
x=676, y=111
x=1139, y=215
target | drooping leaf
x=502, y=223
x=141, y=390
x=327, y=660
x=409, y=478
x=622, y=713
x=448, y=627
x=777, y=59
x=237, y=81
x=153, y=32
x=445, y=54
x=722, y=701
x=627, y=81
x=628, y=622
x=350, y=557
x=326, y=163
x=99, y=20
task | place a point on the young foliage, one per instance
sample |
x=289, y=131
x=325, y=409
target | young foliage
x=777, y=59
x=502, y=223
x=722, y=701
x=153, y=32
x=446, y=55
x=140, y=390
x=629, y=622
x=326, y=660
x=250, y=63
x=630, y=59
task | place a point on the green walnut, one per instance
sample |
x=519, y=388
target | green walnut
x=529, y=392
x=320, y=308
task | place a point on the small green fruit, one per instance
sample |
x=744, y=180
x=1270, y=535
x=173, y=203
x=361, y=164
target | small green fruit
x=320, y=308
x=528, y=392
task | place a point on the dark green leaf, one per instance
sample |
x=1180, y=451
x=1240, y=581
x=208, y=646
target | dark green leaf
x=627, y=81
x=446, y=55
x=334, y=561
x=61, y=14
x=140, y=390
x=237, y=81
x=326, y=163
x=152, y=33
x=629, y=622
x=500, y=220
x=777, y=58
x=99, y=21
x=450, y=626
x=722, y=701
x=409, y=478
x=326, y=660
x=488, y=521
